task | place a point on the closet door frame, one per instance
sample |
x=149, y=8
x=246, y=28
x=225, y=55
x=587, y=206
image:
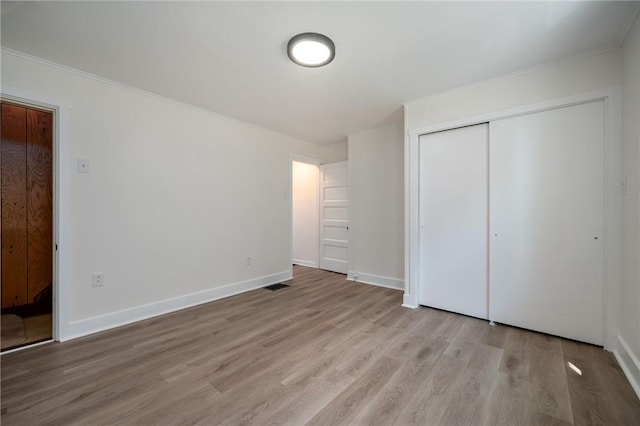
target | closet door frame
x=61, y=185
x=613, y=196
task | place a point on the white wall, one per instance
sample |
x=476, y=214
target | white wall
x=306, y=212
x=564, y=78
x=377, y=205
x=335, y=152
x=630, y=289
x=177, y=198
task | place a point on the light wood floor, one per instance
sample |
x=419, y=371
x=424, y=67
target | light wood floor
x=324, y=351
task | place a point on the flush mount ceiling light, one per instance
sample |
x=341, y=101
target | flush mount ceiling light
x=311, y=50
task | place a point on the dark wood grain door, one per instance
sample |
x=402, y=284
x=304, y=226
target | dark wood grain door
x=27, y=203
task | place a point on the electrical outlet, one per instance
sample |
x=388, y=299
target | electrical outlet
x=98, y=279
x=248, y=261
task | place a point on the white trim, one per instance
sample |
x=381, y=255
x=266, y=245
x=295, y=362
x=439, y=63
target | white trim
x=349, y=210
x=409, y=299
x=61, y=185
x=307, y=263
x=304, y=159
x=29, y=346
x=613, y=157
x=411, y=233
x=139, y=313
x=629, y=363
x=376, y=280
x=612, y=270
x=407, y=302
x=517, y=111
x=336, y=164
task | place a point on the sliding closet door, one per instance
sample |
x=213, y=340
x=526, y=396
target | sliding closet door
x=453, y=220
x=547, y=221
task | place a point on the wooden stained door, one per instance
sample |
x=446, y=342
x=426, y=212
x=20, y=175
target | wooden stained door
x=27, y=203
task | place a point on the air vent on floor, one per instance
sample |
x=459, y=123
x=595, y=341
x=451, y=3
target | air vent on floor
x=274, y=287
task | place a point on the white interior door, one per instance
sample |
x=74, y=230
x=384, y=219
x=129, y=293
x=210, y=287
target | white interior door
x=453, y=220
x=334, y=217
x=546, y=221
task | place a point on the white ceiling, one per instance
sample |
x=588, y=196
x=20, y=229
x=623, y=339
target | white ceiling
x=230, y=57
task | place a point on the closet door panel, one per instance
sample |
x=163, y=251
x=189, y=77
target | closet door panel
x=13, y=156
x=39, y=202
x=547, y=221
x=453, y=220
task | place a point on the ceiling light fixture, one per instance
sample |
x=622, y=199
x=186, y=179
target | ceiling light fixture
x=311, y=50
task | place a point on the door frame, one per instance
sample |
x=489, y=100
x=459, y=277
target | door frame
x=307, y=160
x=613, y=195
x=60, y=185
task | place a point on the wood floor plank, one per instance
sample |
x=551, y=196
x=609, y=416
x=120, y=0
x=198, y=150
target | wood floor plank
x=550, y=386
x=368, y=351
x=437, y=323
x=509, y=401
x=307, y=402
x=516, y=358
x=479, y=331
x=345, y=407
x=322, y=351
x=388, y=404
x=432, y=399
x=184, y=406
x=469, y=404
x=300, y=401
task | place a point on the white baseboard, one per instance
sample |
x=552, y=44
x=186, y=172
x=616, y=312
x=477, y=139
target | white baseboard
x=116, y=319
x=376, y=280
x=308, y=263
x=629, y=364
x=409, y=302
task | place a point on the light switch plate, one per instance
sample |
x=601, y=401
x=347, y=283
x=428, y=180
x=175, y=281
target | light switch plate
x=84, y=166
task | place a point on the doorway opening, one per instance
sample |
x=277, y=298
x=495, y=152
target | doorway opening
x=319, y=214
x=27, y=232
x=305, y=212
